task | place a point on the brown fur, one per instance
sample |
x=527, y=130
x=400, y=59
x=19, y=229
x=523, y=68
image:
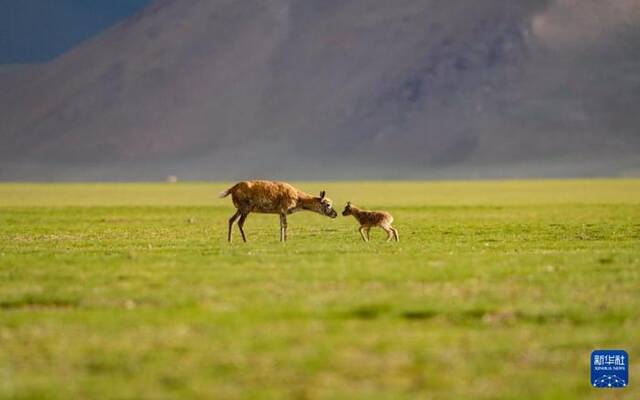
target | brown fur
x=271, y=197
x=369, y=219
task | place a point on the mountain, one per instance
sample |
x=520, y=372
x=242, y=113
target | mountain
x=328, y=89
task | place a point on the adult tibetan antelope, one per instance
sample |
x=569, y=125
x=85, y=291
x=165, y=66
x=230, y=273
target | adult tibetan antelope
x=273, y=198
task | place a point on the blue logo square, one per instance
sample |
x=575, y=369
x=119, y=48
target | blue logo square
x=609, y=368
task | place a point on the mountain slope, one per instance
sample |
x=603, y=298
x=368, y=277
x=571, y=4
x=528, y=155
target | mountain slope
x=323, y=89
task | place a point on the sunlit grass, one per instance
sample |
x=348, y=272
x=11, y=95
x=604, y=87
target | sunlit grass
x=496, y=290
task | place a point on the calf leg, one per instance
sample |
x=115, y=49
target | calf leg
x=389, y=232
x=243, y=218
x=368, y=230
x=231, y=221
x=362, y=228
x=395, y=233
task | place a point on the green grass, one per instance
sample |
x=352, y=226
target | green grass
x=496, y=290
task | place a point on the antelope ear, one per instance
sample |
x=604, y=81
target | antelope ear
x=322, y=194
x=348, y=204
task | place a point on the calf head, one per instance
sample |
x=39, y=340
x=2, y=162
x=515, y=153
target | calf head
x=347, y=209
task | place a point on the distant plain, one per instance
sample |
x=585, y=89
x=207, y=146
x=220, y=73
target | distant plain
x=497, y=289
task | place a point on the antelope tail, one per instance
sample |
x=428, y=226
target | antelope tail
x=227, y=192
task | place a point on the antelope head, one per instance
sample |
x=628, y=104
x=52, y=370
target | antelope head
x=324, y=206
x=347, y=209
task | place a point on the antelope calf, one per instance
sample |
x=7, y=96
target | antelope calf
x=270, y=197
x=367, y=219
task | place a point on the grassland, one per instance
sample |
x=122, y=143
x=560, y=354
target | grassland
x=496, y=290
